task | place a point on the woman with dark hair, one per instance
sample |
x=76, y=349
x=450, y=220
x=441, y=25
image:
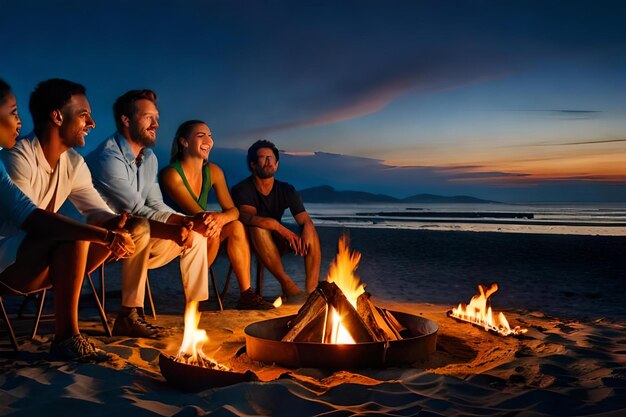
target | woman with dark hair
x=10, y=123
x=39, y=249
x=187, y=182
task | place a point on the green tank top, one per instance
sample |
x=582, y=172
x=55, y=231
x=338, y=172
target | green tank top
x=206, y=183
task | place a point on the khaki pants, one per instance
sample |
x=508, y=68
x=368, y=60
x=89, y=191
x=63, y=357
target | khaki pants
x=153, y=253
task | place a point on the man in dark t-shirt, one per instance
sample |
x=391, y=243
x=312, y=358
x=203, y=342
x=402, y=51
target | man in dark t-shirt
x=262, y=200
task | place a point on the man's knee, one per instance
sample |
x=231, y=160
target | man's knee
x=264, y=240
x=258, y=233
x=312, y=238
x=199, y=241
x=139, y=229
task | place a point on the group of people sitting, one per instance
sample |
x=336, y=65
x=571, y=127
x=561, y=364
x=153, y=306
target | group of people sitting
x=120, y=192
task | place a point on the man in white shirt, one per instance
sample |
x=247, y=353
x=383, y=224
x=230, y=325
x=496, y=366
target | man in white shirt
x=39, y=248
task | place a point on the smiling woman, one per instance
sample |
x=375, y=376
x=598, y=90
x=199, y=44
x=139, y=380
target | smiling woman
x=10, y=123
x=187, y=182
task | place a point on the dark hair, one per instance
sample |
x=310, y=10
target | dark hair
x=125, y=104
x=183, y=131
x=5, y=91
x=252, y=150
x=51, y=95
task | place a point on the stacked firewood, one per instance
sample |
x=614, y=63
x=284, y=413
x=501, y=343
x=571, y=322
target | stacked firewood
x=365, y=323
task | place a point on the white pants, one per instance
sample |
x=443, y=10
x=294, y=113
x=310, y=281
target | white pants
x=153, y=253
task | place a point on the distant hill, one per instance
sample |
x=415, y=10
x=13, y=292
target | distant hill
x=328, y=195
x=438, y=199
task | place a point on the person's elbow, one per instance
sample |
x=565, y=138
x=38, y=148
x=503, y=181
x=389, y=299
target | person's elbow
x=245, y=217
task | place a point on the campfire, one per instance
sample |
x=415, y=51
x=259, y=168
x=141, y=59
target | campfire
x=190, y=352
x=191, y=369
x=480, y=313
x=339, y=327
x=339, y=311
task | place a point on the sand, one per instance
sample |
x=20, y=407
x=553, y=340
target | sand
x=570, y=363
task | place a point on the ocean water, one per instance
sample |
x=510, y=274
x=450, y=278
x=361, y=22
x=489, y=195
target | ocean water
x=566, y=259
x=576, y=218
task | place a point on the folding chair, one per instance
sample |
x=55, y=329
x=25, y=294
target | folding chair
x=7, y=321
x=103, y=293
x=99, y=307
x=221, y=295
x=149, y=292
x=41, y=298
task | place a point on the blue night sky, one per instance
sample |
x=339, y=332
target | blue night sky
x=513, y=101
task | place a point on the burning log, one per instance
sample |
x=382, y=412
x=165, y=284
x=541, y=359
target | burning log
x=314, y=307
x=319, y=303
x=340, y=311
x=391, y=320
x=318, y=319
x=329, y=325
x=375, y=320
x=350, y=318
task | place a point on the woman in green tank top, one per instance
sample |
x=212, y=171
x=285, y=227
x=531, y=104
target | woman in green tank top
x=187, y=182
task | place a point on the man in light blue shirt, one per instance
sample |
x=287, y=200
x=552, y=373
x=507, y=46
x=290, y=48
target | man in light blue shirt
x=124, y=171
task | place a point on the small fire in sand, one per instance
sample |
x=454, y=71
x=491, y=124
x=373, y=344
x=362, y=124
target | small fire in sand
x=341, y=272
x=190, y=352
x=479, y=312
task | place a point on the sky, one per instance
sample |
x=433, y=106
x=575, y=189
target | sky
x=504, y=100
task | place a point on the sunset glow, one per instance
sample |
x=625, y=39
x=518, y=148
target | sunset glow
x=496, y=99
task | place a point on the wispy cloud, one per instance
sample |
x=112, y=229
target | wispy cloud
x=563, y=114
x=592, y=142
x=553, y=111
x=355, y=95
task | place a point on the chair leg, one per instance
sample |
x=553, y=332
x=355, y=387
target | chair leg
x=103, y=316
x=102, y=291
x=259, y=277
x=10, y=332
x=150, y=300
x=227, y=282
x=215, y=290
x=25, y=301
x=42, y=299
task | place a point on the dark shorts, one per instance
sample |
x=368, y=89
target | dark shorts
x=282, y=244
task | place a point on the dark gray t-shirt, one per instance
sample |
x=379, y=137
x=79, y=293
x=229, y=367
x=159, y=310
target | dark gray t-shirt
x=282, y=196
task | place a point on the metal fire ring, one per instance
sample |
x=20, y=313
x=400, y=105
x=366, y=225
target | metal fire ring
x=263, y=343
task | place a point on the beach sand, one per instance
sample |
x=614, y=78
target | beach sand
x=567, y=290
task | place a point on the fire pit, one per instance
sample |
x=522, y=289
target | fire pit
x=263, y=343
x=339, y=327
x=191, y=369
x=197, y=378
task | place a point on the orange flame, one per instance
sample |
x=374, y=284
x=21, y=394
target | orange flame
x=190, y=351
x=341, y=272
x=479, y=312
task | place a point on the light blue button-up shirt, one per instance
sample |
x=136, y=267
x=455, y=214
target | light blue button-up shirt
x=124, y=185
